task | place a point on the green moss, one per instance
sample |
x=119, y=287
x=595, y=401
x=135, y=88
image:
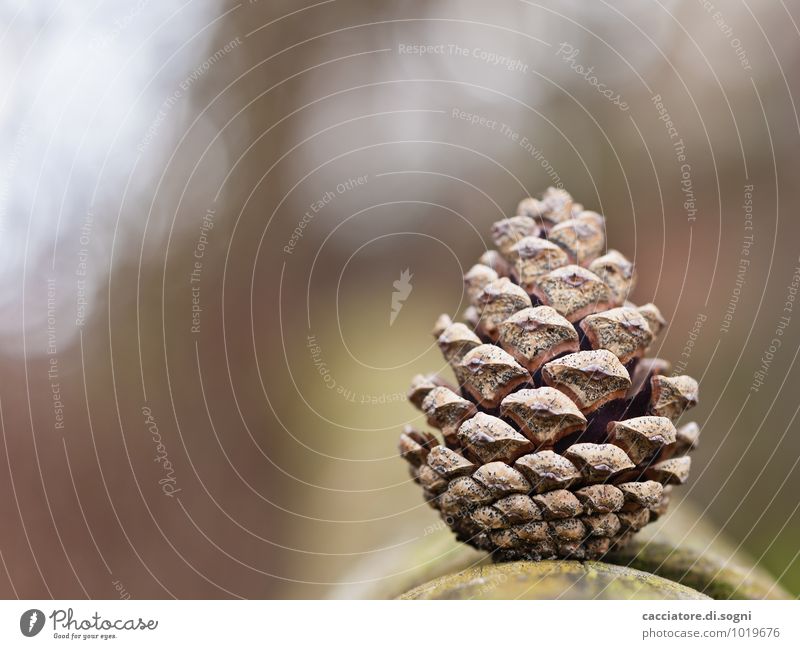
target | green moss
x=552, y=580
x=717, y=577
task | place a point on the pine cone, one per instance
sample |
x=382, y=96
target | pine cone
x=559, y=439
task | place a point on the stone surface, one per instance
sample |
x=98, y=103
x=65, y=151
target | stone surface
x=551, y=580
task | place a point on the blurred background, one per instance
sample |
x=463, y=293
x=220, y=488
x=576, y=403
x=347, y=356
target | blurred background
x=204, y=207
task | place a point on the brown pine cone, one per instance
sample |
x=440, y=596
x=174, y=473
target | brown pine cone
x=559, y=438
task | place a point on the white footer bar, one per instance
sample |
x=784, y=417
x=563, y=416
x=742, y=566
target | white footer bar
x=388, y=624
